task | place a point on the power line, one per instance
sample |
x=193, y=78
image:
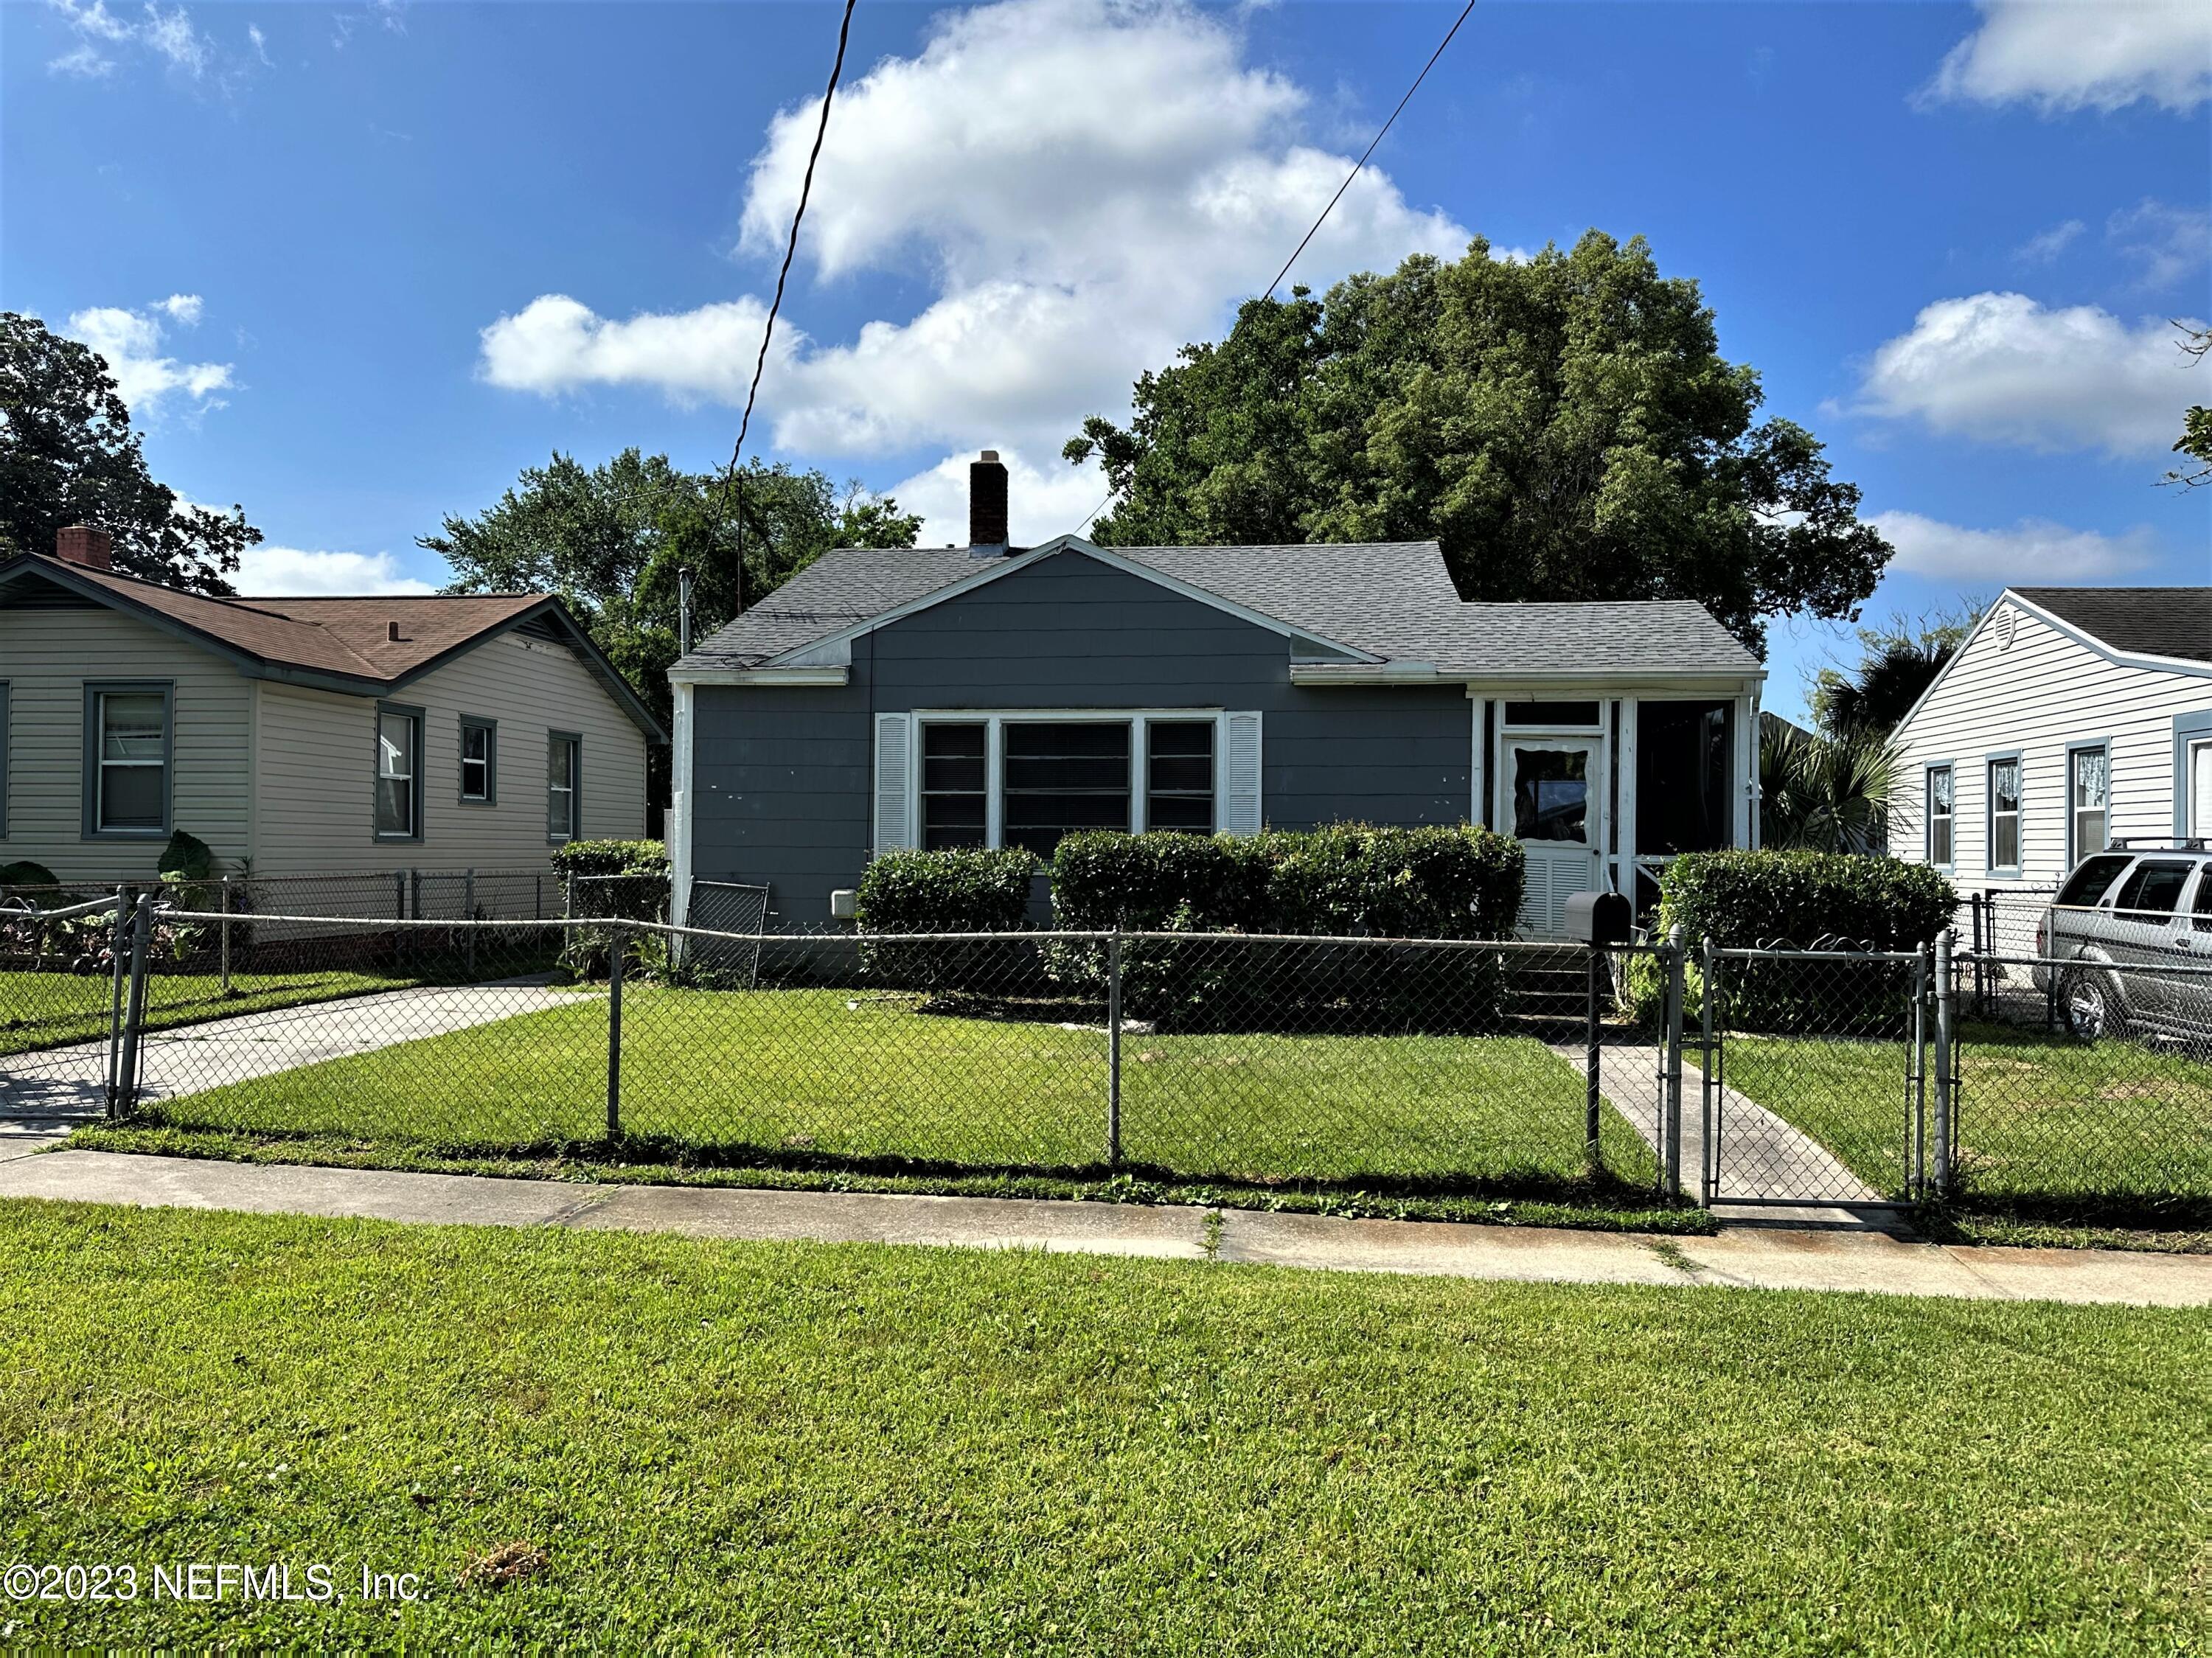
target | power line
x=1383, y=132
x=1369, y=150
x=782, y=275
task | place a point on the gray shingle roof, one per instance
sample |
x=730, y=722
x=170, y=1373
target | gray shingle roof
x=2141, y=621
x=1394, y=600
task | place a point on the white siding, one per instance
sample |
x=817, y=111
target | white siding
x=2038, y=696
x=316, y=779
x=46, y=655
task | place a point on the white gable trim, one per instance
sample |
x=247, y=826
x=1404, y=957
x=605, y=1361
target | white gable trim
x=836, y=649
x=2066, y=629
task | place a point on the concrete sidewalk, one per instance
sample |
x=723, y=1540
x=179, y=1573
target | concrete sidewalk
x=1746, y=1257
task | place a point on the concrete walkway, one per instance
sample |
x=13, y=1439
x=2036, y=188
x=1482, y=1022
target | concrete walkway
x=1762, y=1156
x=1749, y=1258
x=71, y=1082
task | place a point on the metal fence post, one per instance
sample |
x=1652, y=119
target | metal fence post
x=134, y=1010
x=1593, y=1158
x=224, y=927
x=1671, y=1157
x=119, y=958
x=1709, y=1087
x=1916, y=1082
x=1946, y=1100
x=1114, y=1049
x=617, y=947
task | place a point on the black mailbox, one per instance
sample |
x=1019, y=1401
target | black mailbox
x=1598, y=918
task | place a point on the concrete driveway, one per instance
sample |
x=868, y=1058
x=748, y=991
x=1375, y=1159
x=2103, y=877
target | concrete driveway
x=70, y=1084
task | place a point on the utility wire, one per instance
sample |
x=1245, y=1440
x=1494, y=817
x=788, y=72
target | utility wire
x=732, y=480
x=1357, y=167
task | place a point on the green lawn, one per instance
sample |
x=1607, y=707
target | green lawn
x=50, y=1010
x=2041, y=1115
x=857, y=1448
x=844, y=1075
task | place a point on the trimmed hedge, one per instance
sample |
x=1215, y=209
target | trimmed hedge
x=1349, y=879
x=963, y=890
x=611, y=858
x=1805, y=901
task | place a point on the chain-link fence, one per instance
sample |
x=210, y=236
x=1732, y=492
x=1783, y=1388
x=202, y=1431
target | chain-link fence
x=1998, y=929
x=1827, y=1078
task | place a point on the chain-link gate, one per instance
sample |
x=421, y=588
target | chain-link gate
x=1816, y=1080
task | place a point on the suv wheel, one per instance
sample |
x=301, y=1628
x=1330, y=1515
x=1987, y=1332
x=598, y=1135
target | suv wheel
x=2091, y=1008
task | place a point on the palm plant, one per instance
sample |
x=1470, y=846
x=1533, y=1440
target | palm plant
x=1826, y=793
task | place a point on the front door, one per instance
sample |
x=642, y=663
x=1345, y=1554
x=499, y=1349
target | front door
x=1555, y=792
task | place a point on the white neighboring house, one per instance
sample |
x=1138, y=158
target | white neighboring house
x=2072, y=718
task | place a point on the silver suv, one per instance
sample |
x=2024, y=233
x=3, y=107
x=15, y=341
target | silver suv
x=2123, y=917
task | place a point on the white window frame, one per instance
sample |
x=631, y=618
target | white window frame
x=2076, y=852
x=2192, y=828
x=1928, y=814
x=570, y=743
x=1990, y=868
x=995, y=721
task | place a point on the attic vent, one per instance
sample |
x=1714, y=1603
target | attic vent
x=391, y=633
x=2008, y=623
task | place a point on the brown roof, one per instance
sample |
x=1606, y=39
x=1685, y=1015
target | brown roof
x=347, y=639
x=325, y=636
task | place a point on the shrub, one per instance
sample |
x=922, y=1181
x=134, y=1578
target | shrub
x=963, y=890
x=1807, y=900
x=25, y=873
x=1348, y=879
x=611, y=858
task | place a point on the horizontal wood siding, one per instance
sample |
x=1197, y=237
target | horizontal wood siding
x=317, y=758
x=2043, y=693
x=46, y=655
x=782, y=773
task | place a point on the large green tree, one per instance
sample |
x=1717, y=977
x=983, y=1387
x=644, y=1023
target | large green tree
x=68, y=456
x=609, y=539
x=1565, y=427
x=1897, y=661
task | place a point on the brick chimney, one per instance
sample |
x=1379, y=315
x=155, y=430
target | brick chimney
x=986, y=506
x=80, y=543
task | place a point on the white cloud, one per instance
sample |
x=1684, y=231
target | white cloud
x=2032, y=550
x=260, y=45
x=1041, y=504
x=555, y=344
x=2168, y=242
x=2046, y=245
x=270, y=571
x=169, y=35
x=130, y=341
x=84, y=62
x=2062, y=57
x=2003, y=368
x=1085, y=183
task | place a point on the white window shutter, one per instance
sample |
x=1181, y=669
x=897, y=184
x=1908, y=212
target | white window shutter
x=894, y=781
x=1240, y=775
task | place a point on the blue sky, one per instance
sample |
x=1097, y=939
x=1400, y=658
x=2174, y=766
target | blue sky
x=357, y=266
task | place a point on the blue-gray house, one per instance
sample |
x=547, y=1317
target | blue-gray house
x=999, y=695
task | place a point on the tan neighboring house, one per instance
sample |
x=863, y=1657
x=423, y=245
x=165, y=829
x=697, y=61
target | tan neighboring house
x=302, y=736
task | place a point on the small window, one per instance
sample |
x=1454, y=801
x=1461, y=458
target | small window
x=129, y=781
x=479, y=760
x=1942, y=821
x=2004, y=814
x=564, y=786
x=2090, y=879
x=2089, y=773
x=398, y=773
x=1065, y=776
x=1551, y=795
x=1551, y=713
x=2154, y=890
x=1179, y=775
x=954, y=804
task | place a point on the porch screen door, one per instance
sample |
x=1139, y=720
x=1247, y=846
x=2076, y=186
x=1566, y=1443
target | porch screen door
x=1555, y=803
